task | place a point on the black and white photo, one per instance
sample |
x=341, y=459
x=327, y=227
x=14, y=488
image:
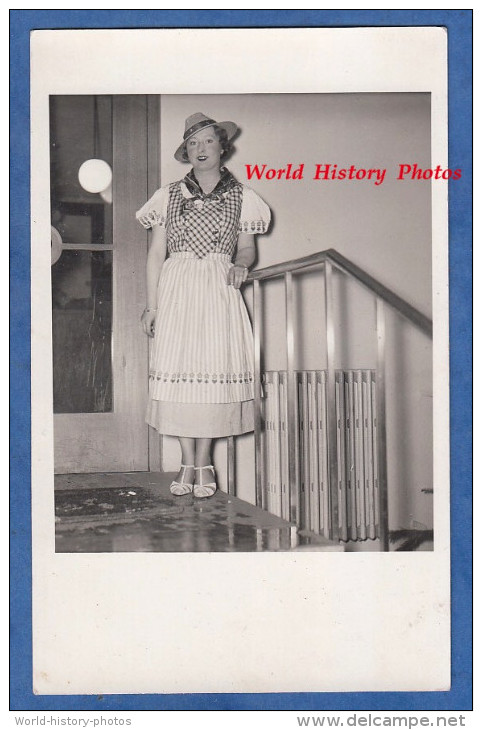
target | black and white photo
x=242, y=384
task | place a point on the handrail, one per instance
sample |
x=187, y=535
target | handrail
x=348, y=267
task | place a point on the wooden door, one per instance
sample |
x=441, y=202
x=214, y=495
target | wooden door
x=115, y=437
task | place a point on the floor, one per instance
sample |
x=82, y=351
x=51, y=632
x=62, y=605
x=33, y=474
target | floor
x=135, y=512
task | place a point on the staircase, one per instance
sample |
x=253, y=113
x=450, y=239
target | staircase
x=354, y=507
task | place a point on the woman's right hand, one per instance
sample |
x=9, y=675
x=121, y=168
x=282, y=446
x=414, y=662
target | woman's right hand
x=148, y=321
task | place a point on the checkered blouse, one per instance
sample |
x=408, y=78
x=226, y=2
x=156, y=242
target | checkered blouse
x=205, y=223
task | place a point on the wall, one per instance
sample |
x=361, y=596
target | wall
x=385, y=229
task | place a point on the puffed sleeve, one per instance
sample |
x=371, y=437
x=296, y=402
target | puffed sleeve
x=154, y=212
x=255, y=214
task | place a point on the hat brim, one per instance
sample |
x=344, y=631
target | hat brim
x=230, y=127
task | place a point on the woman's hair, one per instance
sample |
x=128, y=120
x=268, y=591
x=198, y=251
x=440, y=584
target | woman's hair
x=222, y=135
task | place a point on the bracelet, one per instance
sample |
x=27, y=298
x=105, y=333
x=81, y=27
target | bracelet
x=246, y=268
x=150, y=310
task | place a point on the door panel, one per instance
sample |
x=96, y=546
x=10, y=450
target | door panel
x=118, y=440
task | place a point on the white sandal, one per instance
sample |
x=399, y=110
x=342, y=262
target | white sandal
x=205, y=490
x=182, y=487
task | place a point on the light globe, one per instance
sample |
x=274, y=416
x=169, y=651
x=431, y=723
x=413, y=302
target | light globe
x=95, y=175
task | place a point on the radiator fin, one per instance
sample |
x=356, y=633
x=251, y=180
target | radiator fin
x=356, y=448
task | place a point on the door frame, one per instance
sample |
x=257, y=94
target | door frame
x=155, y=441
x=120, y=440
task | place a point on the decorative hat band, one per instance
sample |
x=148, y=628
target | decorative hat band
x=196, y=127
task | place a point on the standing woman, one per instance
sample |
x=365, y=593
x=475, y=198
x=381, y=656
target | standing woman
x=201, y=368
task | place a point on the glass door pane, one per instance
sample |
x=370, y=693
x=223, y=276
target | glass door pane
x=82, y=332
x=80, y=130
x=82, y=221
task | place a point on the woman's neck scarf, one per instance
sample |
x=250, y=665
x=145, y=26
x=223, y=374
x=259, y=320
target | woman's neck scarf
x=225, y=183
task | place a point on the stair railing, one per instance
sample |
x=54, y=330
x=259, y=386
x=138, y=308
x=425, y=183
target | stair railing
x=329, y=260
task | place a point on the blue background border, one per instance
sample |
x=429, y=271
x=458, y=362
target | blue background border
x=459, y=27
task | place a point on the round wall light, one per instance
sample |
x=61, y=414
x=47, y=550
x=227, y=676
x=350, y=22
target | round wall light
x=95, y=175
x=55, y=245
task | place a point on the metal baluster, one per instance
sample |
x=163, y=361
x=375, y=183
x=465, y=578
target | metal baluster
x=330, y=402
x=258, y=453
x=294, y=480
x=381, y=425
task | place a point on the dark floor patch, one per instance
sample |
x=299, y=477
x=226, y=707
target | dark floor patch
x=137, y=513
x=107, y=504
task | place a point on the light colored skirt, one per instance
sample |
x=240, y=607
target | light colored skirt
x=201, y=366
x=200, y=420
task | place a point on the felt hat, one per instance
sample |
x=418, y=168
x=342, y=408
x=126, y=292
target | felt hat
x=199, y=121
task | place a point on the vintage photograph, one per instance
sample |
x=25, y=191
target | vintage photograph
x=180, y=223
x=240, y=353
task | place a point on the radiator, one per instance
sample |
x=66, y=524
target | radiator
x=356, y=452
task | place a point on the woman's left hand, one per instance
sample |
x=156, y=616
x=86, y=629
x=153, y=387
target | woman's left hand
x=237, y=275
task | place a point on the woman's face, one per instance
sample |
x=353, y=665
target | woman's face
x=204, y=150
